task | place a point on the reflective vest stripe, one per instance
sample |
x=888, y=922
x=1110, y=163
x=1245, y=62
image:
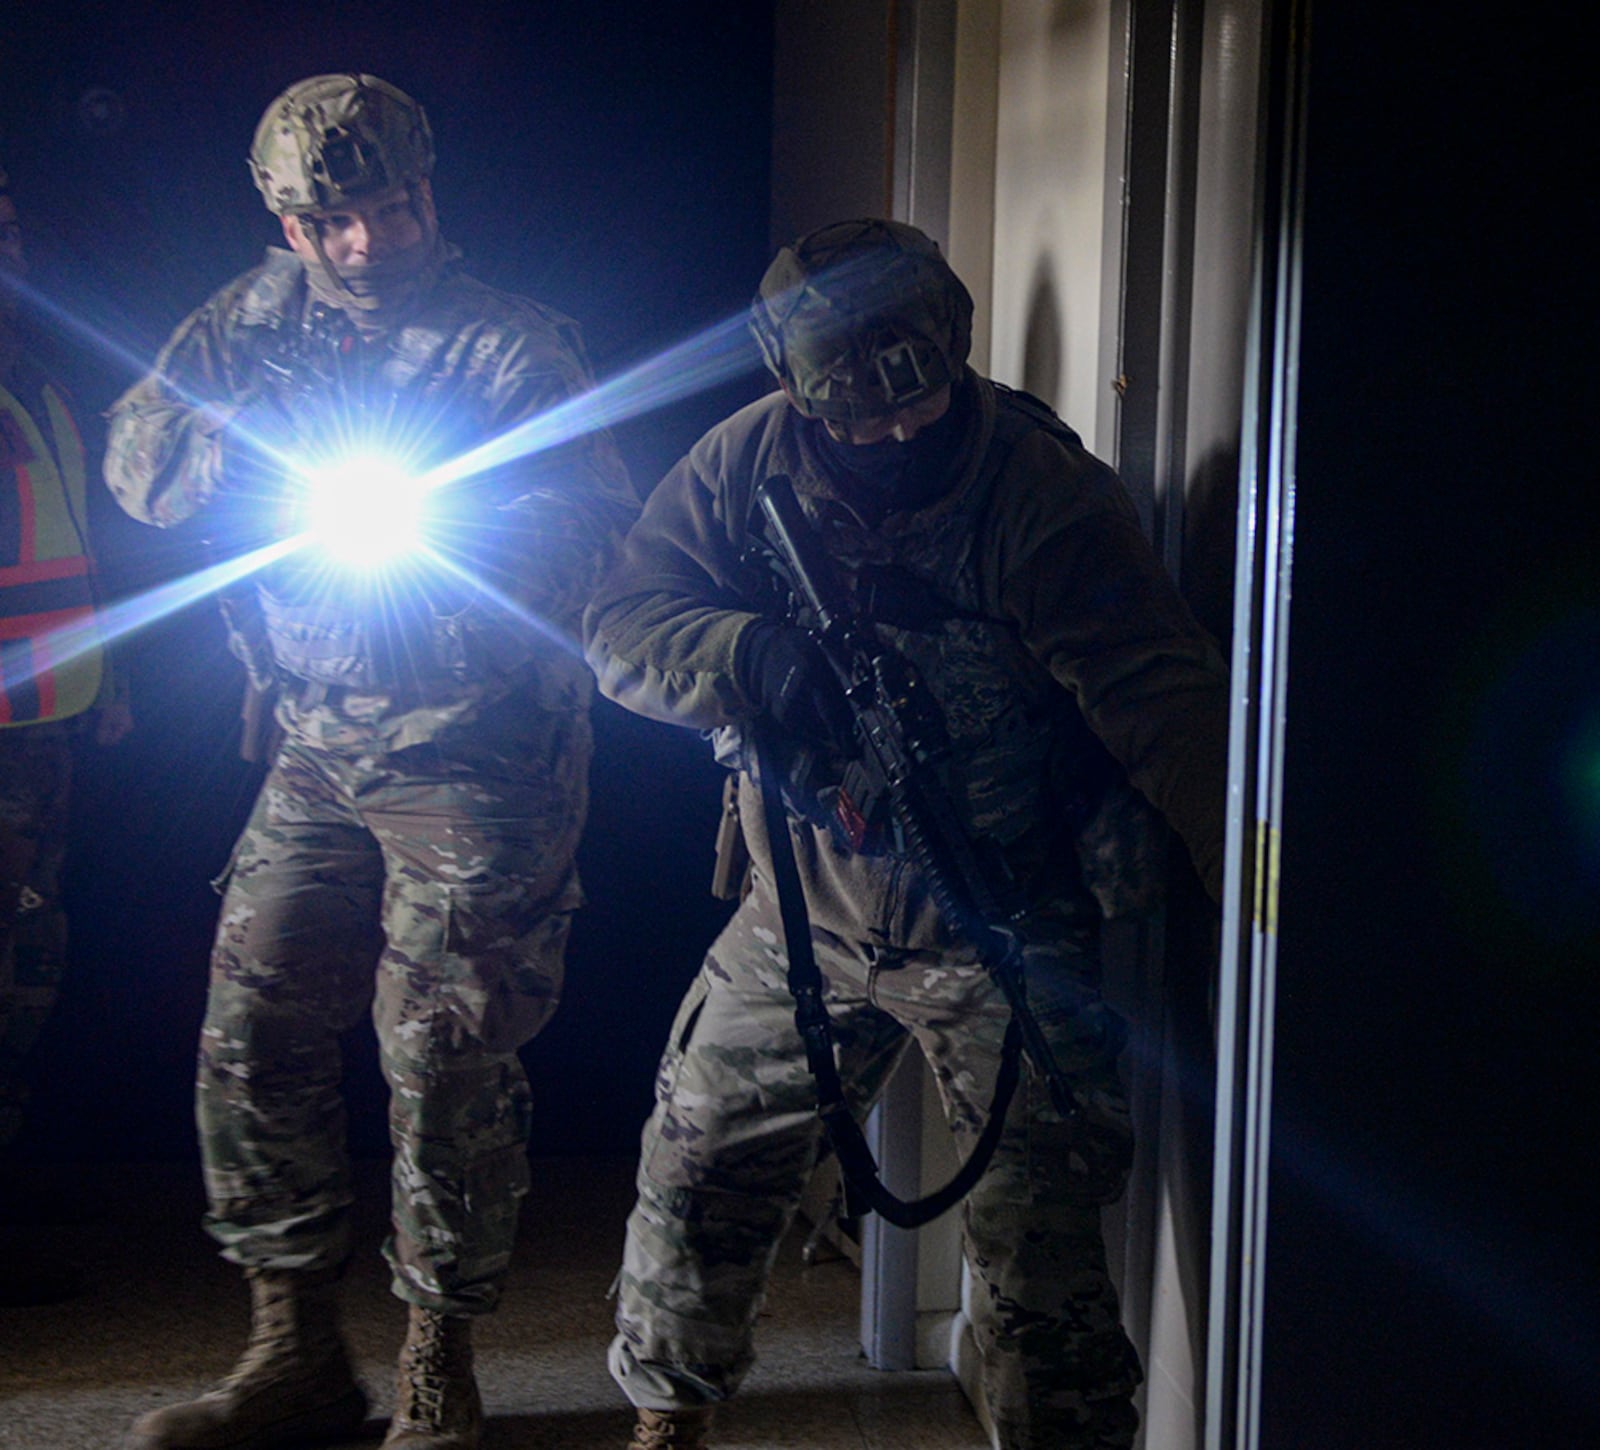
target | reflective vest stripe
x=41, y=571
x=33, y=649
x=50, y=656
x=25, y=626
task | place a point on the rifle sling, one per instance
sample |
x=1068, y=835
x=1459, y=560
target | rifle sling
x=863, y=1186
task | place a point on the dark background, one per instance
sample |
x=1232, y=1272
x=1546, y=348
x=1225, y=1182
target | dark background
x=1431, y=1276
x=611, y=160
x=1432, y=1271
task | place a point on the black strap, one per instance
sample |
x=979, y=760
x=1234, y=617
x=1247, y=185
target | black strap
x=863, y=1186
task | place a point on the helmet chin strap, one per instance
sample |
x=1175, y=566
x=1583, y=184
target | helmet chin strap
x=375, y=310
x=326, y=282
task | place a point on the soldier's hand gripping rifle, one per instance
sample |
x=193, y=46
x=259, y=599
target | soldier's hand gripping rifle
x=900, y=731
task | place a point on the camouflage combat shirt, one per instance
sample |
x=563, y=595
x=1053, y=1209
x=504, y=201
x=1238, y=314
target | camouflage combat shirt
x=472, y=360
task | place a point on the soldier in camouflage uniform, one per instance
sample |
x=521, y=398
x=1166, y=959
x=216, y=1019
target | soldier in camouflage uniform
x=980, y=540
x=412, y=847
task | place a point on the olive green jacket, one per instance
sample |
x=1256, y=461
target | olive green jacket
x=1057, y=560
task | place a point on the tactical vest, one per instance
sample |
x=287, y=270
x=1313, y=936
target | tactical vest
x=51, y=660
x=323, y=640
x=1001, y=707
x=1020, y=755
x=296, y=622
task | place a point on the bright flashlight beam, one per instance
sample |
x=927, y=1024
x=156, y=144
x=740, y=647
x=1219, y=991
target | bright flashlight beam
x=62, y=646
x=720, y=353
x=364, y=511
x=138, y=364
x=504, y=601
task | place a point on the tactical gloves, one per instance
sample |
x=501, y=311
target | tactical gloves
x=781, y=669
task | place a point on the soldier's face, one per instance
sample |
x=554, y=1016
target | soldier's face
x=12, y=257
x=384, y=225
x=902, y=426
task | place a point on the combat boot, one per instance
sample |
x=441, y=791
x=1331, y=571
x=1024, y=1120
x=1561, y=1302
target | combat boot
x=436, y=1401
x=672, y=1429
x=293, y=1385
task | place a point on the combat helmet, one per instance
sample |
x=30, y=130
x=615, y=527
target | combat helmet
x=329, y=140
x=860, y=319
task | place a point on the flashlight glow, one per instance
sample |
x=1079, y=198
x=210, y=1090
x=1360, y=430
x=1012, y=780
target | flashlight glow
x=363, y=525
x=363, y=511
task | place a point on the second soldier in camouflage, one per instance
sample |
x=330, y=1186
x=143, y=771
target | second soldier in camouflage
x=983, y=544
x=412, y=849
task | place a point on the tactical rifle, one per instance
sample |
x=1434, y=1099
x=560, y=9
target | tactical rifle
x=901, y=733
x=298, y=362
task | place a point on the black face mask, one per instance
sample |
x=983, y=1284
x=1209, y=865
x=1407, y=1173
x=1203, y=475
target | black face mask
x=882, y=477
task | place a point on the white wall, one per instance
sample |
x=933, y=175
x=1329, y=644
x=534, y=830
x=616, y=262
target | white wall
x=1049, y=204
x=1032, y=212
x=974, y=138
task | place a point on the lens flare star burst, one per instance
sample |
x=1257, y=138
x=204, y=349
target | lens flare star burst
x=367, y=510
x=364, y=511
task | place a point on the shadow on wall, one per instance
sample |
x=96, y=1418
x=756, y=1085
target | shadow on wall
x=1210, y=509
x=1043, y=350
x=1210, y=523
x=1069, y=19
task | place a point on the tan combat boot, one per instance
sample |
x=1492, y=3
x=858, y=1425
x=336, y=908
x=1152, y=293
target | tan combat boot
x=436, y=1402
x=672, y=1429
x=292, y=1386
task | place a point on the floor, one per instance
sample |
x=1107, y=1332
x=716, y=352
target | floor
x=161, y=1316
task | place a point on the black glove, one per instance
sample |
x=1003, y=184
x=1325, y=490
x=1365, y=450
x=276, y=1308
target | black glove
x=783, y=670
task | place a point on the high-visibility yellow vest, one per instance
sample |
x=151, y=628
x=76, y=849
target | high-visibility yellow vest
x=51, y=659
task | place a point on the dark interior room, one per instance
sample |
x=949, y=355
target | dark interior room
x=1431, y=1278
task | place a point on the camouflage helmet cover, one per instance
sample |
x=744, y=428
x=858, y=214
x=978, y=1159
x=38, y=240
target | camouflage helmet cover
x=861, y=319
x=329, y=140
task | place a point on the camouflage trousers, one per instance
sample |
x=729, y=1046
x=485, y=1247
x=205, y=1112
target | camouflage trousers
x=734, y=1137
x=437, y=891
x=35, y=790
